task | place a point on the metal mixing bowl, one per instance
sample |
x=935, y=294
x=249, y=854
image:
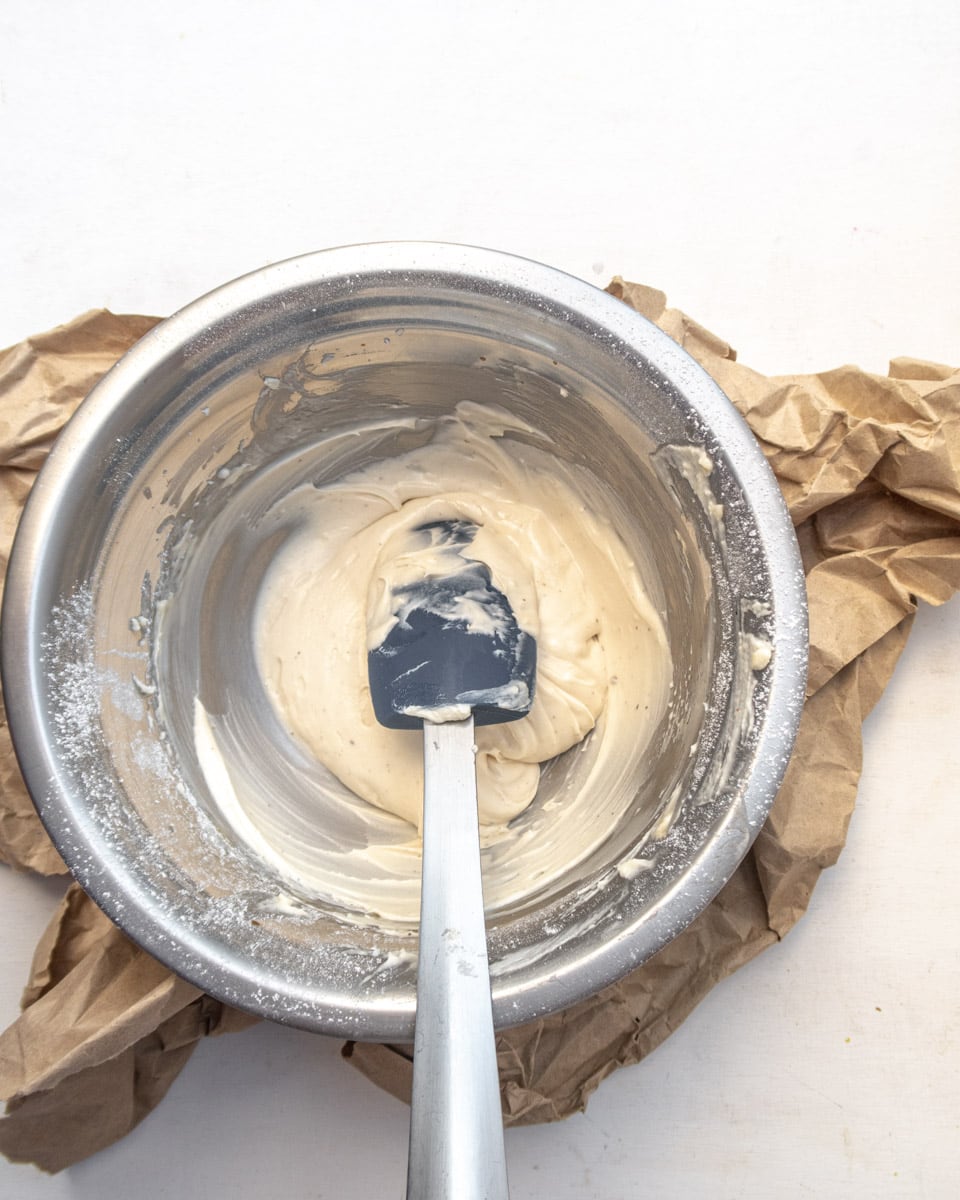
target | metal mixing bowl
x=221, y=409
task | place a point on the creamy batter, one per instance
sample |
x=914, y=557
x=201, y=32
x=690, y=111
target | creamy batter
x=604, y=671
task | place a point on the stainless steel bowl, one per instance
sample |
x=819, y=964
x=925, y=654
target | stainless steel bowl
x=222, y=408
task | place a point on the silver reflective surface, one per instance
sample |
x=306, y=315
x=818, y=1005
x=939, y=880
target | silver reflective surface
x=150, y=515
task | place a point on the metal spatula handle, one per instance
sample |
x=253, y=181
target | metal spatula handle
x=456, y=1128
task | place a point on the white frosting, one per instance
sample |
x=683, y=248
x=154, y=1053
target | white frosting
x=603, y=664
x=759, y=649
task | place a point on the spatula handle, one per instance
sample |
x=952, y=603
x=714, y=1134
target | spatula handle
x=456, y=1127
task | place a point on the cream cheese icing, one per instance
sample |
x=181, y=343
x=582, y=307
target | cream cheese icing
x=603, y=681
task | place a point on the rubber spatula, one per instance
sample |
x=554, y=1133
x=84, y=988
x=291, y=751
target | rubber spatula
x=454, y=657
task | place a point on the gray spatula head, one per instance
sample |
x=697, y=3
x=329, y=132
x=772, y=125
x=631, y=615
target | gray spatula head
x=455, y=646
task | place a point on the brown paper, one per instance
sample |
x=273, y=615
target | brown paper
x=105, y=1031
x=870, y=467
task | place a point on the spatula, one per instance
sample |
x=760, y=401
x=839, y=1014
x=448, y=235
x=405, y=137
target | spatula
x=454, y=658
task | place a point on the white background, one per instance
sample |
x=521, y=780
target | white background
x=788, y=174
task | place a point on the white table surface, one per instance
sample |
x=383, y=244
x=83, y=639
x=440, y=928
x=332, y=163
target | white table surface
x=789, y=175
